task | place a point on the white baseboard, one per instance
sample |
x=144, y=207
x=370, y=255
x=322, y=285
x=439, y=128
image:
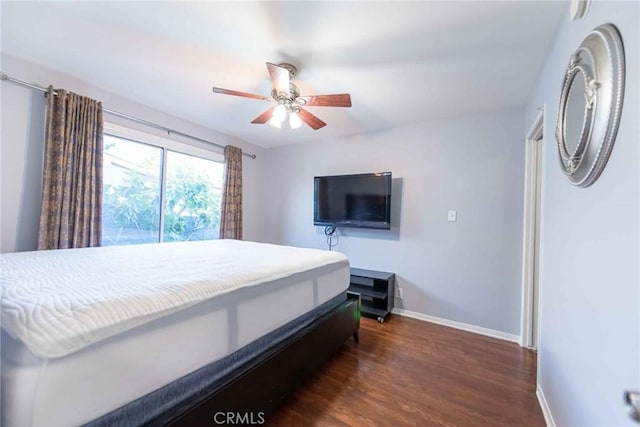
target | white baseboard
x=546, y=411
x=458, y=325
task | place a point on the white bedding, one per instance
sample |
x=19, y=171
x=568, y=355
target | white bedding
x=58, y=302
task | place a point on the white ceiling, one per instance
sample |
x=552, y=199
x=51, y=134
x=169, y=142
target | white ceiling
x=402, y=63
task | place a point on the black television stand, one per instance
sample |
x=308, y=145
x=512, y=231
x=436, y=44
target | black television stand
x=376, y=290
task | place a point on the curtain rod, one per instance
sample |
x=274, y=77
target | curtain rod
x=169, y=131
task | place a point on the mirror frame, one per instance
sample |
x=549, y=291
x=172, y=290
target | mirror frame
x=600, y=62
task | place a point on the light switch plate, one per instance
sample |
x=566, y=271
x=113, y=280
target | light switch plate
x=452, y=216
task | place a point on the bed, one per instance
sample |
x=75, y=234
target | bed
x=166, y=333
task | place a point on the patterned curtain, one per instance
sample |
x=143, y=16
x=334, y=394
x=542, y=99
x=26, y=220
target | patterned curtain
x=71, y=214
x=231, y=209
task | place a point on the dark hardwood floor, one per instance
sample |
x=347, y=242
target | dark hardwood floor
x=407, y=372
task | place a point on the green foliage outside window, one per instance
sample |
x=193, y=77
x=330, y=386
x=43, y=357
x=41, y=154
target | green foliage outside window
x=192, y=209
x=191, y=206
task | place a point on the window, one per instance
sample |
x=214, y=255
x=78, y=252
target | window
x=159, y=193
x=131, y=192
x=193, y=193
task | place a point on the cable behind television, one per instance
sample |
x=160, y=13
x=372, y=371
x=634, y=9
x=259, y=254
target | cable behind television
x=332, y=233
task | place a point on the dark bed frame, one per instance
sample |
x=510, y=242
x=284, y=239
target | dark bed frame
x=257, y=388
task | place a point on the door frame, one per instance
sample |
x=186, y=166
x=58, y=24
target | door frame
x=531, y=266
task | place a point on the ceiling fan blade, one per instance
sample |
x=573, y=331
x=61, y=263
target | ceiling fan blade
x=264, y=117
x=310, y=119
x=279, y=77
x=238, y=93
x=339, y=100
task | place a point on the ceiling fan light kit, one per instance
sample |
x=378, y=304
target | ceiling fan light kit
x=294, y=120
x=278, y=116
x=288, y=101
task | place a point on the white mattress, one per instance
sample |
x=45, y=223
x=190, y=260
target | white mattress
x=58, y=302
x=91, y=382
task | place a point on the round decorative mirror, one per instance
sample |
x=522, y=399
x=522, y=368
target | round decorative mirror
x=590, y=105
x=575, y=112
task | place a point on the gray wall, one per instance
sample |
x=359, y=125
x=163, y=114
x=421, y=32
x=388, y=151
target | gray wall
x=467, y=271
x=589, y=350
x=21, y=150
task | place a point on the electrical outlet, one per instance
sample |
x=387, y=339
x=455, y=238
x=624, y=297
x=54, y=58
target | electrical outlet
x=399, y=293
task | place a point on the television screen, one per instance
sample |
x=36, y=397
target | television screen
x=362, y=200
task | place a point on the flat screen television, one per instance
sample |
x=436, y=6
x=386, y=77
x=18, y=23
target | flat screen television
x=362, y=200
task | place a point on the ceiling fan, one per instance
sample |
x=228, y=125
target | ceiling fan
x=288, y=100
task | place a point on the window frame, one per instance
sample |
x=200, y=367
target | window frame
x=166, y=145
